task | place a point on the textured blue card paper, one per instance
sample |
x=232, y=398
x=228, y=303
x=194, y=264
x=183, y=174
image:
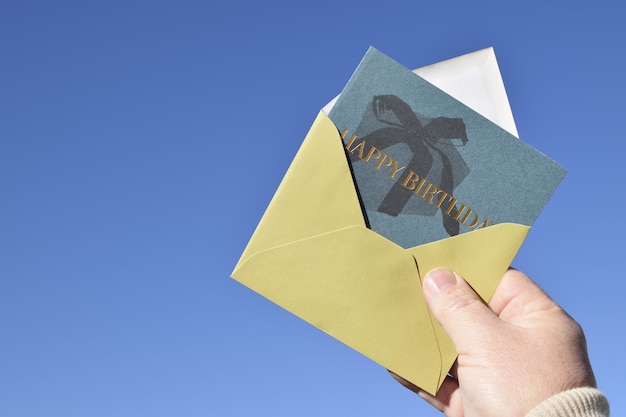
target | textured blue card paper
x=428, y=167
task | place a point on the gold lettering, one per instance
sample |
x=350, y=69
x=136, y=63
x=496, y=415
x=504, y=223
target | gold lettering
x=412, y=177
x=395, y=169
x=418, y=185
x=386, y=160
x=373, y=151
x=467, y=213
x=360, y=147
x=442, y=198
x=482, y=225
x=351, y=141
x=458, y=213
x=452, y=205
x=430, y=189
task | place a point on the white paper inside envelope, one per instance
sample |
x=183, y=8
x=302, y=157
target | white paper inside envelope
x=475, y=80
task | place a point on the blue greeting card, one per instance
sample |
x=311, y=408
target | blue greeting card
x=426, y=166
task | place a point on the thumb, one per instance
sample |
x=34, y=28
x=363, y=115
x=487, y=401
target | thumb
x=459, y=310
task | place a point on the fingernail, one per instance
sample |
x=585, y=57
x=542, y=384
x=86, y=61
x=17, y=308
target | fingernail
x=439, y=280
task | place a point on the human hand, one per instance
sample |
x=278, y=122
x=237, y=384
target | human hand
x=515, y=352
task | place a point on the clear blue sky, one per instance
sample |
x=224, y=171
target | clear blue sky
x=140, y=142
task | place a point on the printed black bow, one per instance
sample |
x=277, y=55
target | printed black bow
x=408, y=129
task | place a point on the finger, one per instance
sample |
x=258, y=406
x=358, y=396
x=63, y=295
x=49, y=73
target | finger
x=517, y=295
x=457, y=307
x=446, y=400
x=454, y=370
x=408, y=385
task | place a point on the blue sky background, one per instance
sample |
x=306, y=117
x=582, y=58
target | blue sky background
x=140, y=142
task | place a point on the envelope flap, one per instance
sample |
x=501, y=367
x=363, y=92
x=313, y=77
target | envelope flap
x=475, y=80
x=358, y=287
x=481, y=257
x=318, y=186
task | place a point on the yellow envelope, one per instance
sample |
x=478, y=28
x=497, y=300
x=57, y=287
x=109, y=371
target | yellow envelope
x=313, y=255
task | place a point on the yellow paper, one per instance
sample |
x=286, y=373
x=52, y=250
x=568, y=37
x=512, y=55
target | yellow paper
x=313, y=255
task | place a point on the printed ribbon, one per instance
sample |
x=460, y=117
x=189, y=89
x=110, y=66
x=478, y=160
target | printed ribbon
x=421, y=139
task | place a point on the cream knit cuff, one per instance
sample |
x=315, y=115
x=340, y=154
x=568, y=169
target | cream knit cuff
x=577, y=402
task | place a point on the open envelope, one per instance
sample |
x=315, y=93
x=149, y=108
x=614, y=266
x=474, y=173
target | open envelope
x=313, y=255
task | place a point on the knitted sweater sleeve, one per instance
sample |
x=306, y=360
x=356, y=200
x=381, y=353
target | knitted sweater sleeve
x=578, y=402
